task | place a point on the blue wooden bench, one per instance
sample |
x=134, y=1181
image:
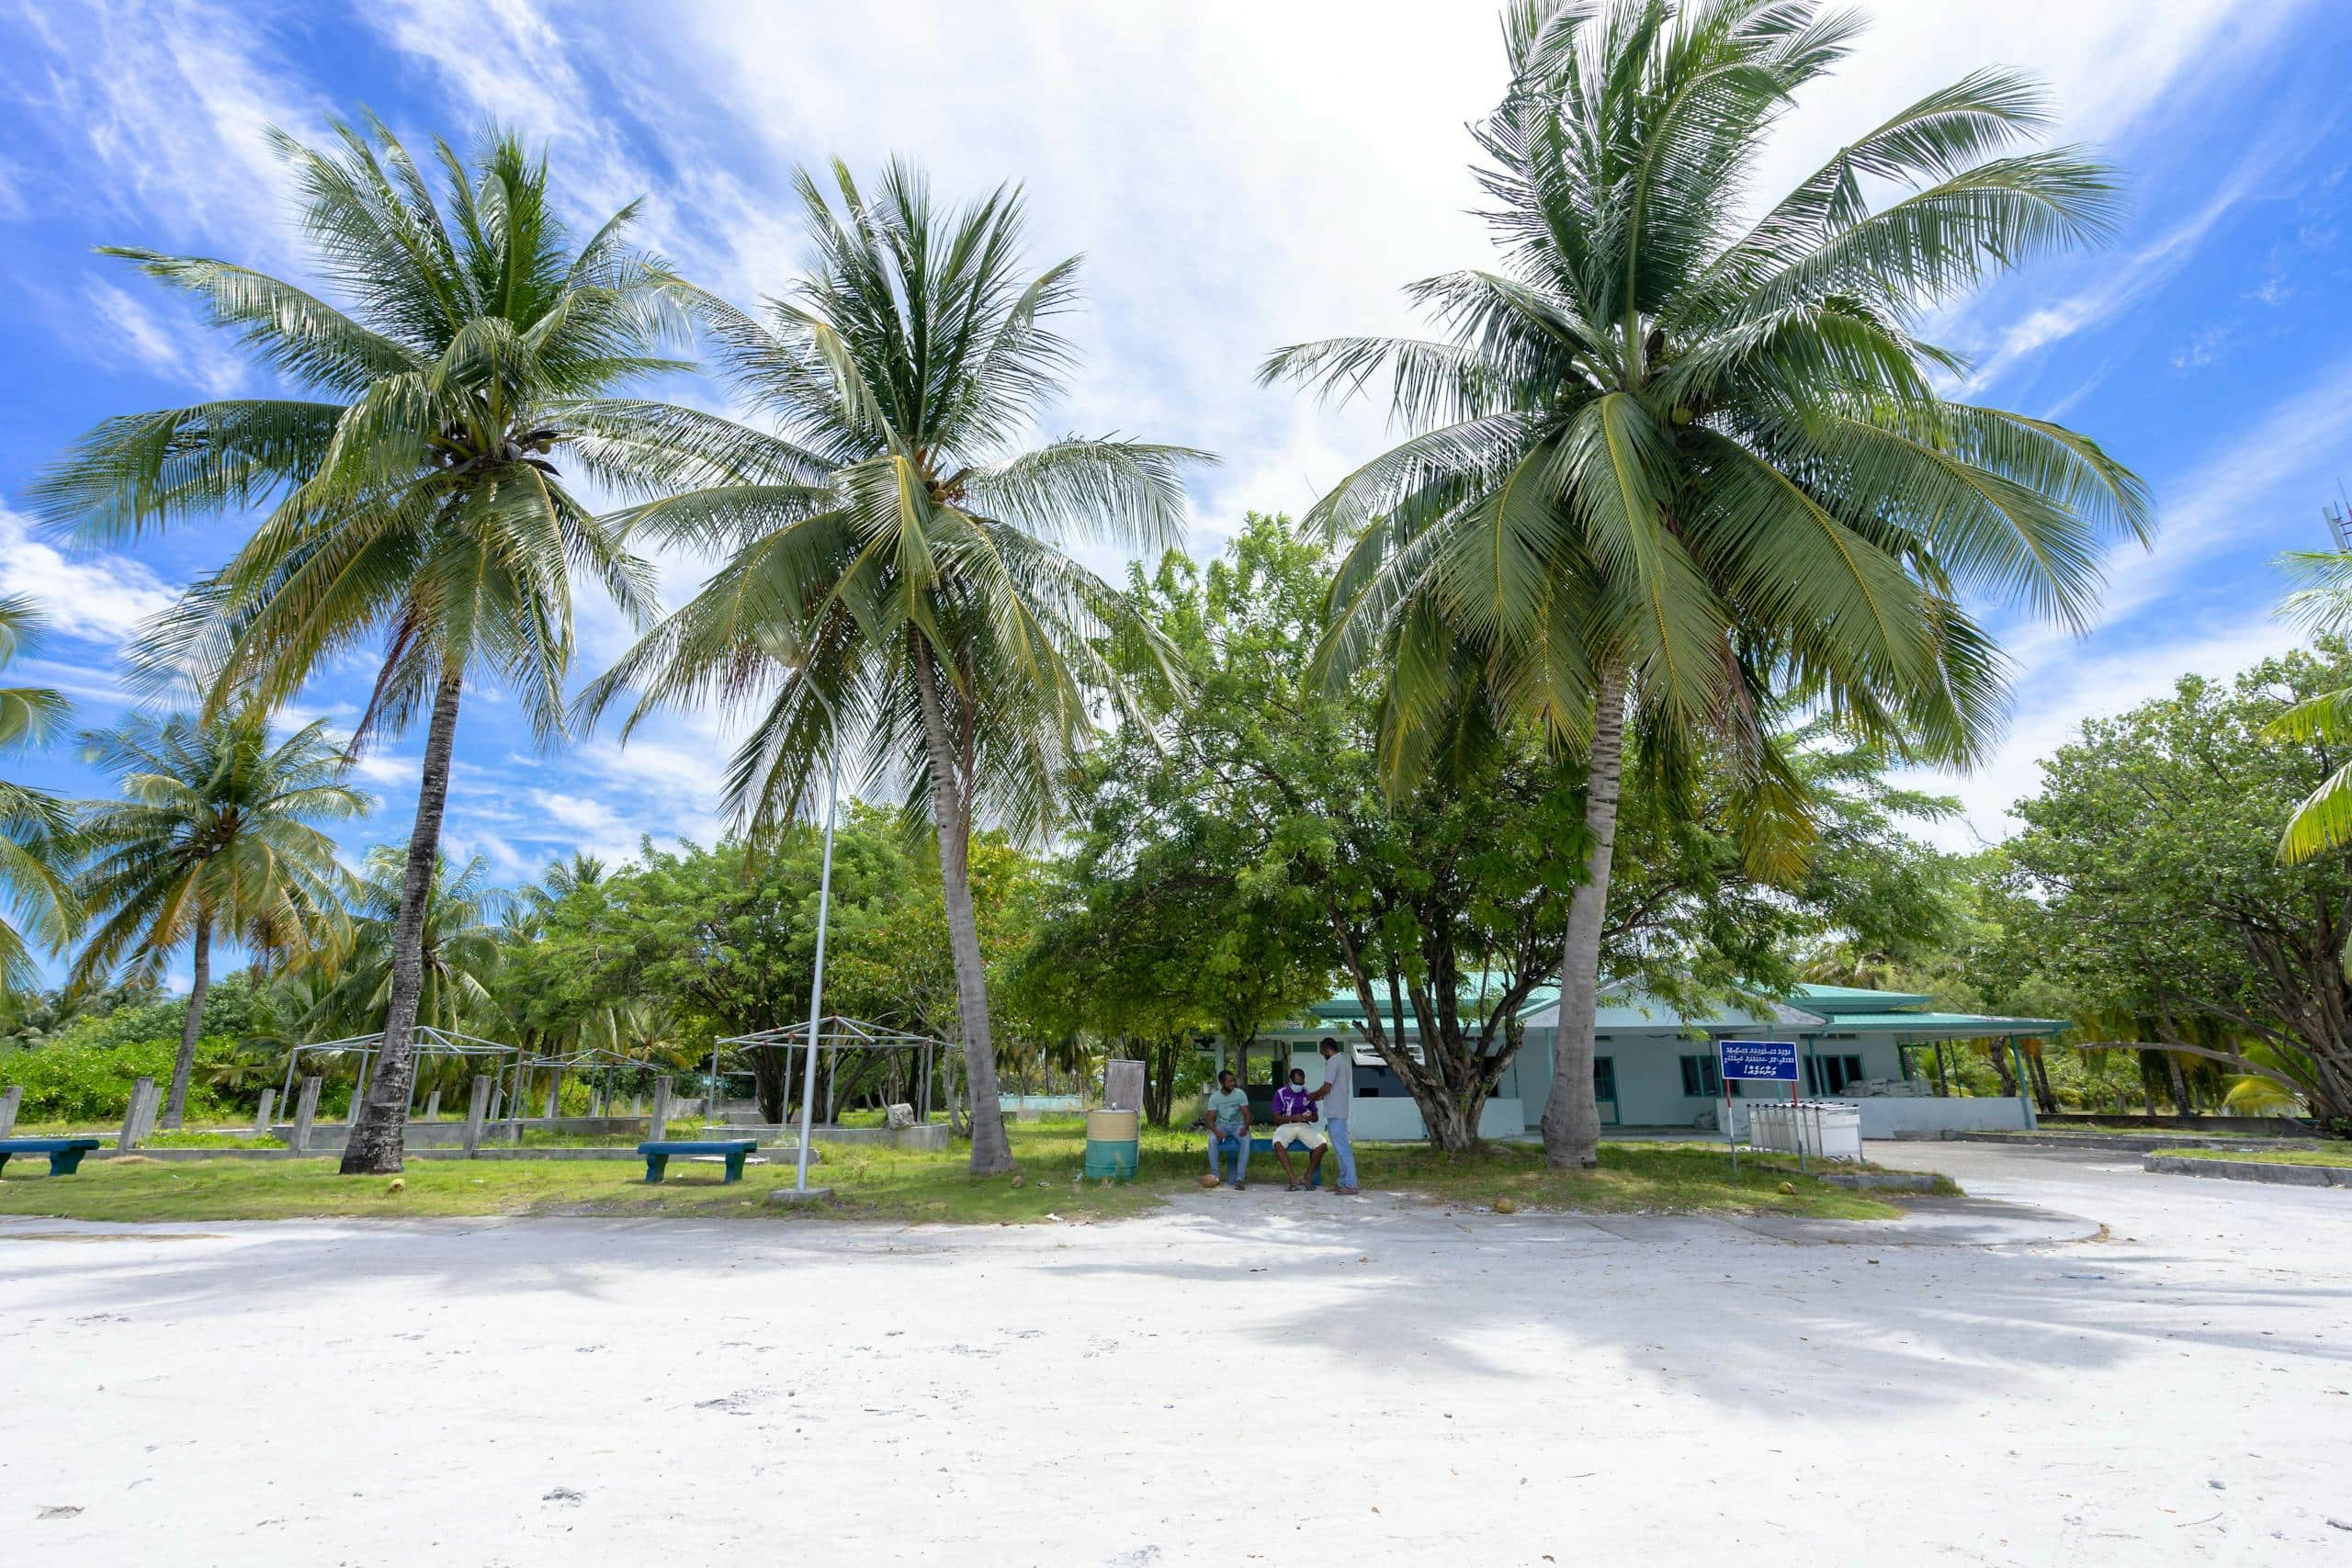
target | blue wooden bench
x=656, y=1156
x=64, y=1154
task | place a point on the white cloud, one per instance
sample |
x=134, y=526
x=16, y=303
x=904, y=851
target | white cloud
x=103, y=598
x=172, y=351
x=587, y=815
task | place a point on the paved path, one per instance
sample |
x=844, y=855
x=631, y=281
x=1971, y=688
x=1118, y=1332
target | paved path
x=1247, y=1377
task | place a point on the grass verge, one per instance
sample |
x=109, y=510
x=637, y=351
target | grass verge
x=2340, y=1158
x=913, y=1188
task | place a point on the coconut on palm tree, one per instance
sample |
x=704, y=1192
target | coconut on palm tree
x=213, y=838
x=35, y=826
x=1676, y=467
x=414, y=490
x=895, y=596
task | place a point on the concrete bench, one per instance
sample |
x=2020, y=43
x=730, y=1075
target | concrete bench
x=64, y=1154
x=733, y=1150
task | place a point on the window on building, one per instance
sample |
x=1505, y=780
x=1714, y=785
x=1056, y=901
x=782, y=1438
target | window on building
x=1830, y=1075
x=1604, y=1079
x=1702, y=1078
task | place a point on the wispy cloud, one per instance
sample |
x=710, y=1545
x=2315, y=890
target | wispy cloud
x=102, y=598
x=173, y=351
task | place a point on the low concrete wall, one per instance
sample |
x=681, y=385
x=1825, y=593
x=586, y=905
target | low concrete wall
x=1395, y=1119
x=328, y=1138
x=2252, y=1170
x=1926, y=1117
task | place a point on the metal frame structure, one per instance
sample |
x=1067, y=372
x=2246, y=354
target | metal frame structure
x=570, y=1061
x=426, y=1040
x=833, y=1034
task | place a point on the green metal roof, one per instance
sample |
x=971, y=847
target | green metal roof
x=1943, y=1025
x=1837, y=999
x=1846, y=1009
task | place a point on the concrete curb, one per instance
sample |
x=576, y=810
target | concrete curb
x=2252, y=1170
x=1880, y=1180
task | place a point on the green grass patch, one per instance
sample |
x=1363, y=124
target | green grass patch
x=881, y=1183
x=2340, y=1157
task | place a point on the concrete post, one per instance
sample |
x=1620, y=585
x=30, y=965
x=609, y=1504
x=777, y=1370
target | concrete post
x=555, y=1093
x=432, y=1106
x=306, y=1111
x=134, y=1118
x=261, y=1117
x=476, y=1112
x=657, y=1127
x=10, y=1098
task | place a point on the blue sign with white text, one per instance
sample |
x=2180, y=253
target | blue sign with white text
x=1774, y=1060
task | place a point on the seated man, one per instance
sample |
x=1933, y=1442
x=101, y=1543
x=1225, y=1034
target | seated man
x=1229, y=1129
x=1295, y=1127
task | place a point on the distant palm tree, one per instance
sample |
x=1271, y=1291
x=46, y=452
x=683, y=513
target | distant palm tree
x=35, y=826
x=2323, y=602
x=896, y=593
x=213, y=838
x=416, y=510
x=460, y=951
x=1674, y=472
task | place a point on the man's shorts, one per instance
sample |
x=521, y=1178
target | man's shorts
x=1298, y=1136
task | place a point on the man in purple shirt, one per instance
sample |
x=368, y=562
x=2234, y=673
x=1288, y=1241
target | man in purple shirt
x=1295, y=1127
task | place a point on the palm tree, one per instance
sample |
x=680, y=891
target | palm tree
x=1671, y=472
x=416, y=508
x=35, y=826
x=213, y=838
x=459, y=954
x=896, y=592
x=2323, y=602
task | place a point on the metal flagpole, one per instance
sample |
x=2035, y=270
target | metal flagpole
x=816, y=986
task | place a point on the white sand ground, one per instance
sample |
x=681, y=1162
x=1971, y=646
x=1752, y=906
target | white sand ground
x=1248, y=1377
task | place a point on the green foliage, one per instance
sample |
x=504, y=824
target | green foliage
x=2148, y=878
x=232, y=1011
x=1702, y=455
x=88, y=1084
x=36, y=894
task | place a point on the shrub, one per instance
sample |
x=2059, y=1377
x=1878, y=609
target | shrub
x=92, y=1083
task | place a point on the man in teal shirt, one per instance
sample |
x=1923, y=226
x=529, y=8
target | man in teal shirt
x=1229, y=1129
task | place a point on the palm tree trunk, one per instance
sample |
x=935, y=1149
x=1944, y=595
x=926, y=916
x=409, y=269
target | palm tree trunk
x=377, y=1131
x=200, y=982
x=950, y=810
x=1571, y=1119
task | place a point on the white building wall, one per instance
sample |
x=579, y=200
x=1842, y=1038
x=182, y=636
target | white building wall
x=1649, y=1076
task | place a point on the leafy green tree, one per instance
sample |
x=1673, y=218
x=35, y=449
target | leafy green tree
x=896, y=589
x=214, y=837
x=1672, y=473
x=35, y=827
x=2147, y=875
x=414, y=496
x=1249, y=838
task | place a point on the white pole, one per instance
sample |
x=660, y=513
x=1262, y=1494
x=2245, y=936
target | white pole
x=816, y=986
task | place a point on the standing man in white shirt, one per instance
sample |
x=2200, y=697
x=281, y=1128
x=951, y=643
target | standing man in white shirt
x=1337, y=1091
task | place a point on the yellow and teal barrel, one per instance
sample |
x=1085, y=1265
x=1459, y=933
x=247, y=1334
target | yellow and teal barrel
x=1114, y=1140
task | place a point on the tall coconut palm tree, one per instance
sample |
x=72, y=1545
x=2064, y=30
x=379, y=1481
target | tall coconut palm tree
x=896, y=597
x=212, y=839
x=35, y=826
x=1672, y=469
x=416, y=503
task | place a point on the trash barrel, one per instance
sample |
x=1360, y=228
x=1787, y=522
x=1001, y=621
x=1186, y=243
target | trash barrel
x=1113, y=1142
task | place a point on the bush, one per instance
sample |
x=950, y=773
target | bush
x=92, y=1083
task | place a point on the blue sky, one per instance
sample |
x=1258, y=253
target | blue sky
x=1240, y=175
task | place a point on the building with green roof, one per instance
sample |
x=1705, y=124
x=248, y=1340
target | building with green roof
x=1654, y=1065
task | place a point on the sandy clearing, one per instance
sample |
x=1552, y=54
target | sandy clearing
x=1261, y=1376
